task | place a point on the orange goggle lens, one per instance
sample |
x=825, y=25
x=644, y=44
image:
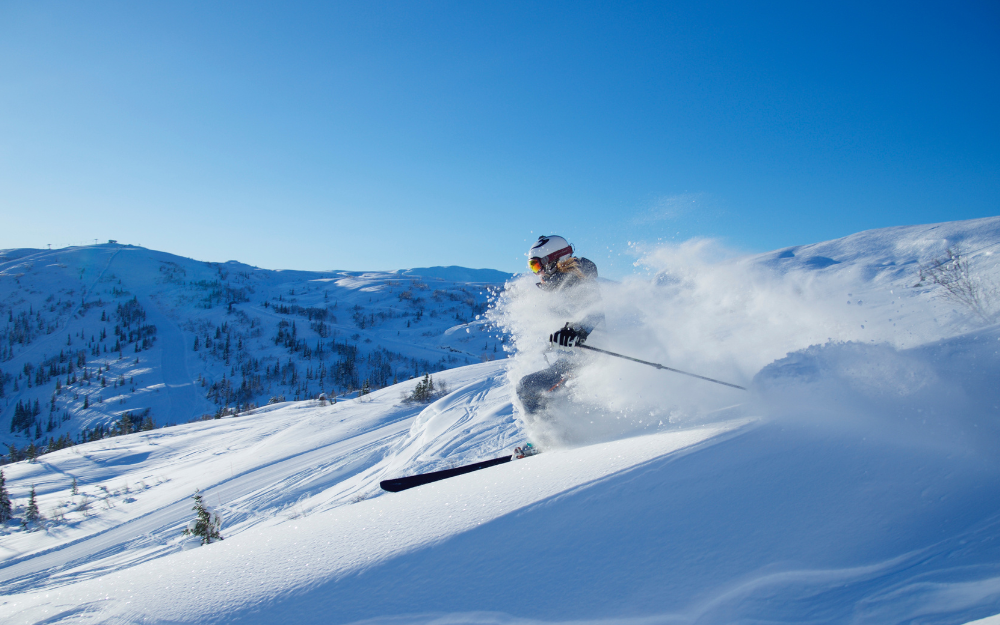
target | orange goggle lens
x=535, y=264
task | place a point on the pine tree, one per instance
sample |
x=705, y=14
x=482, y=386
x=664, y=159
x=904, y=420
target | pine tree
x=206, y=525
x=6, y=508
x=31, y=515
x=76, y=490
x=424, y=390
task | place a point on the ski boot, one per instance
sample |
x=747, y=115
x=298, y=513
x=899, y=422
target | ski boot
x=524, y=451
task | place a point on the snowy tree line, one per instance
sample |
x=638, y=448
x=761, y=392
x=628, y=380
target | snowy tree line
x=289, y=344
x=71, y=377
x=128, y=422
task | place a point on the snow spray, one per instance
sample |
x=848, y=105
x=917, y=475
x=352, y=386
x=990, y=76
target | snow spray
x=697, y=307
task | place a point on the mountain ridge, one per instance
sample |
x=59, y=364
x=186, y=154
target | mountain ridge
x=242, y=333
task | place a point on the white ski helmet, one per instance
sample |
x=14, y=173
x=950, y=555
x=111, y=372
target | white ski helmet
x=546, y=251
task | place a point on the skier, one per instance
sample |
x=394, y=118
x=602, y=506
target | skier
x=573, y=283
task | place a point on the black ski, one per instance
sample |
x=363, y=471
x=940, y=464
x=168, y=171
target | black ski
x=402, y=483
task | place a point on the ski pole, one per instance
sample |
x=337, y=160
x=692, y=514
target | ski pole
x=659, y=366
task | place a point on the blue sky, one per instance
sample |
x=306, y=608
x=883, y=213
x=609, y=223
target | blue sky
x=382, y=135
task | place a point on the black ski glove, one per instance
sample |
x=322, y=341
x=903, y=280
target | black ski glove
x=569, y=337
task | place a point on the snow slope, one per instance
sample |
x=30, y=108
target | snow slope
x=856, y=482
x=215, y=336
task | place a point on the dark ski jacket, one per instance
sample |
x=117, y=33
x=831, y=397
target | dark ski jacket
x=575, y=281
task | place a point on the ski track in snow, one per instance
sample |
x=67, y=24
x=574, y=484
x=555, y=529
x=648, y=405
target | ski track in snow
x=358, y=443
x=411, y=520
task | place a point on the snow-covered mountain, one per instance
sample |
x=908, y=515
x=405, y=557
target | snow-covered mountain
x=856, y=481
x=90, y=334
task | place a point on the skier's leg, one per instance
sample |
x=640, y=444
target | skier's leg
x=533, y=389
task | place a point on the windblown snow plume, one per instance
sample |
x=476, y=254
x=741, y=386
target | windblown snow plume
x=700, y=309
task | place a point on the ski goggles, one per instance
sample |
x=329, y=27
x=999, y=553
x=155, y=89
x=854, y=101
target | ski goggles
x=535, y=264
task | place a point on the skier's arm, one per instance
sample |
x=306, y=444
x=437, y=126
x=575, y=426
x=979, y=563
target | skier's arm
x=586, y=325
x=590, y=295
x=588, y=298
